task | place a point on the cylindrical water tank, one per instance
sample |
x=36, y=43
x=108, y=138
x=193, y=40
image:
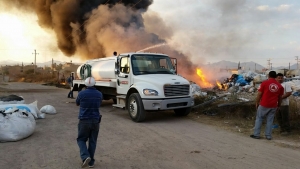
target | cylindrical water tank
x=103, y=68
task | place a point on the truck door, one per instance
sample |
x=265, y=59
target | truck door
x=123, y=78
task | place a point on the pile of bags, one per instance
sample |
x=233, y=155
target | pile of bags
x=17, y=120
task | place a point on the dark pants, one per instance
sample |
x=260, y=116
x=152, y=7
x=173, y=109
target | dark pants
x=70, y=95
x=282, y=117
x=88, y=131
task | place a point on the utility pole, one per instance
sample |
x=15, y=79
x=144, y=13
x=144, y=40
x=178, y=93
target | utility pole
x=34, y=60
x=269, y=63
x=271, y=66
x=297, y=61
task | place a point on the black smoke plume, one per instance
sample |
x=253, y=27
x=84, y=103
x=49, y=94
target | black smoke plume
x=70, y=19
x=95, y=28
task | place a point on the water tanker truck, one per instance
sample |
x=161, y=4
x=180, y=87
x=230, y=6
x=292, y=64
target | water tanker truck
x=138, y=82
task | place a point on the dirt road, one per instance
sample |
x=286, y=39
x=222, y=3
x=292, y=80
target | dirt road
x=163, y=141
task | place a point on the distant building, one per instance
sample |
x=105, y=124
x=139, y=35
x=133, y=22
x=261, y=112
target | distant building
x=69, y=66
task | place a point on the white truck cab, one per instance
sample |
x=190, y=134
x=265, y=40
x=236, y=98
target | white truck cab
x=139, y=82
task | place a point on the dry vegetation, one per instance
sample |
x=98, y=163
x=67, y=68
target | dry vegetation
x=38, y=77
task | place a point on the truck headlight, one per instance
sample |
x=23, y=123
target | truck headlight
x=150, y=92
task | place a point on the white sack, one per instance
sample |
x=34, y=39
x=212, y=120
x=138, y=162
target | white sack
x=295, y=85
x=30, y=108
x=41, y=116
x=48, y=109
x=16, y=126
x=247, y=87
x=259, y=78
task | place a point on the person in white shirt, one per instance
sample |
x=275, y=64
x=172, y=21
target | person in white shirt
x=282, y=114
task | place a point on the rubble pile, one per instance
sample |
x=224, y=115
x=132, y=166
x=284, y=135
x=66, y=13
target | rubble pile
x=246, y=82
x=235, y=90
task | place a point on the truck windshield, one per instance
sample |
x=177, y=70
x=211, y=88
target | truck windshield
x=151, y=64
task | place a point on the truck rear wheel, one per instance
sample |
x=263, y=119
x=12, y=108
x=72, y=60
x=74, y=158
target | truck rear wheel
x=182, y=111
x=136, y=108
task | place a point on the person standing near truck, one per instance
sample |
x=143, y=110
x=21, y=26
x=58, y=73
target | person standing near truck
x=268, y=100
x=89, y=117
x=282, y=115
x=70, y=82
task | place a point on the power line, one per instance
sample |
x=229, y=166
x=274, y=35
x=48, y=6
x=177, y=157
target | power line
x=34, y=60
x=269, y=63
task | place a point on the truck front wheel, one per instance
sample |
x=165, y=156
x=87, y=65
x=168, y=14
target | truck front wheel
x=182, y=111
x=136, y=108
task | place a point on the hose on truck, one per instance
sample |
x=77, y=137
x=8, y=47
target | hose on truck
x=85, y=68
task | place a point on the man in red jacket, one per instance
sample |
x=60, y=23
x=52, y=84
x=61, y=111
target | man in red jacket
x=268, y=100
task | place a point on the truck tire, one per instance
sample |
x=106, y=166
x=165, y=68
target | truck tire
x=182, y=111
x=135, y=108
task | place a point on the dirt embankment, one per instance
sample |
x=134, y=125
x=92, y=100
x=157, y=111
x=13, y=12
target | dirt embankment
x=237, y=113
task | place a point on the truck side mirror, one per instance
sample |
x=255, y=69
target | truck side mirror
x=117, y=68
x=117, y=71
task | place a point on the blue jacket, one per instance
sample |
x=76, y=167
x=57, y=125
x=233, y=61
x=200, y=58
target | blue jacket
x=89, y=101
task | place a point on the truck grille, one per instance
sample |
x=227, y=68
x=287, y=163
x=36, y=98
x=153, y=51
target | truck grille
x=176, y=90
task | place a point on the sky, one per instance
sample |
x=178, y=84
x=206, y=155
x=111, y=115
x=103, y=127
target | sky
x=206, y=31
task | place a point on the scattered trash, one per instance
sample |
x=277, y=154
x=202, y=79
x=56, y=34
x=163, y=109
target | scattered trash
x=243, y=99
x=30, y=108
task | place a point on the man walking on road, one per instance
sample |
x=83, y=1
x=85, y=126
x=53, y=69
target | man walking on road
x=268, y=100
x=89, y=117
x=282, y=115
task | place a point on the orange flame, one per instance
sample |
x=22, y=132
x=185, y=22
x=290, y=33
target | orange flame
x=219, y=84
x=204, y=82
